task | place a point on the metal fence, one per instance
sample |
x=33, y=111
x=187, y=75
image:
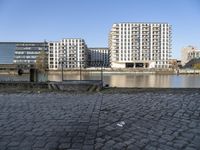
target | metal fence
x=81, y=70
x=66, y=71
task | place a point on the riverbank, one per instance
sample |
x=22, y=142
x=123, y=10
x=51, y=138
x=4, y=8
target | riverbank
x=150, y=90
x=130, y=80
x=67, y=86
x=110, y=71
x=113, y=71
x=81, y=87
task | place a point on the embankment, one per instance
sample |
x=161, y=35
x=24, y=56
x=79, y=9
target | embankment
x=68, y=86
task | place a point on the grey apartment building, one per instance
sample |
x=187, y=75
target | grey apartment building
x=136, y=45
x=99, y=57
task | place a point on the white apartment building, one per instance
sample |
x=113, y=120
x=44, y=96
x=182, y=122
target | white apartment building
x=188, y=53
x=70, y=52
x=146, y=45
x=99, y=57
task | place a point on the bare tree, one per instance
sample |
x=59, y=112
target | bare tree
x=41, y=61
x=196, y=66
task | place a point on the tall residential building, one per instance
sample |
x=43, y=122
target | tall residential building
x=99, y=57
x=146, y=45
x=188, y=53
x=27, y=52
x=70, y=52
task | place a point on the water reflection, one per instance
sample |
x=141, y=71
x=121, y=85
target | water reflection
x=186, y=81
x=136, y=80
x=123, y=80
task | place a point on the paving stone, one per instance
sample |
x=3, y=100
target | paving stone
x=26, y=148
x=51, y=145
x=109, y=128
x=12, y=148
x=190, y=148
x=89, y=142
x=133, y=147
x=130, y=141
x=64, y=145
x=110, y=143
x=3, y=147
x=119, y=146
x=98, y=145
x=100, y=140
x=77, y=145
x=13, y=144
x=153, y=120
x=87, y=147
x=165, y=147
x=180, y=144
x=39, y=144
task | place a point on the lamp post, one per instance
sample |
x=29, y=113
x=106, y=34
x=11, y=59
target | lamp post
x=78, y=61
x=62, y=62
x=80, y=70
x=62, y=69
x=102, y=74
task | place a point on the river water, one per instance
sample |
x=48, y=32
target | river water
x=138, y=80
x=124, y=80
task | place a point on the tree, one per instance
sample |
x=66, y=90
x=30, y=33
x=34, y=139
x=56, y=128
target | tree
x=41, y=61
x=196, y=66
x=174, y=64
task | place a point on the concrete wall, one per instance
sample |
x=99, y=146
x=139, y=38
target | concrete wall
x=118, y=65
x=70, y=86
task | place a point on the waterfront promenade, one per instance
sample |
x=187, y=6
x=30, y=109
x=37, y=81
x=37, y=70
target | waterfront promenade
x=112, y=119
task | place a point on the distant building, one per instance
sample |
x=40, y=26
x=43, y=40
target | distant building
x=179, y=63
x=99, y=57
x=188, y=53
x=8, y=67
x=175, y=64
x=194, y=54
x=7, y=51
x=73, y=53
x=27, y=52
x=134, y=45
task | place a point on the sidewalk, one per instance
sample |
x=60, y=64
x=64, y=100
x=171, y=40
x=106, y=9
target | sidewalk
x=139, y=120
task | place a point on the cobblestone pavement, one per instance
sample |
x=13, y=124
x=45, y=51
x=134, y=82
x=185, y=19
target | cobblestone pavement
x=141, y=120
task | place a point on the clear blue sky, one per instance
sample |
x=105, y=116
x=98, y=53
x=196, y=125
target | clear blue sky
x=36, y=20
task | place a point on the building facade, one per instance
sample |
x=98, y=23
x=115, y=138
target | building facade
x=70, y=52
x=27, y=52
x=188, y=53
x=7, y=51
x=135, y=45
x=99, y=57
x=194, y=55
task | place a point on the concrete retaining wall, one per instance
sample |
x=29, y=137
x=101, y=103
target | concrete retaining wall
x=75, y=85
x=189, y=71
x=23, y=85
x=69, y=86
